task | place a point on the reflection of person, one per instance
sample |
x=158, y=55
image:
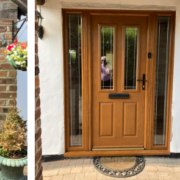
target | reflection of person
x=105, y=74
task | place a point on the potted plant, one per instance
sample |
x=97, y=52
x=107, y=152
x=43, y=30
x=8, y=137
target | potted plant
x=13, y=151
x=17, y=54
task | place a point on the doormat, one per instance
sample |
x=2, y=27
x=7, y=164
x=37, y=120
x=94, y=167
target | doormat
x=119, y=167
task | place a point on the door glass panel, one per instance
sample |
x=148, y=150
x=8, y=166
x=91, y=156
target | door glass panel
x=130, y=58
x=75, y=82
x=161, y=80
x=107, y=39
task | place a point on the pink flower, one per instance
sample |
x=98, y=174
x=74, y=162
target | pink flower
x=23, y=45
x=15, y=42
x=10, y=47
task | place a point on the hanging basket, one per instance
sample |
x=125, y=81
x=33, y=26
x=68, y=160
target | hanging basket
x=16, y=55
x=12, y=62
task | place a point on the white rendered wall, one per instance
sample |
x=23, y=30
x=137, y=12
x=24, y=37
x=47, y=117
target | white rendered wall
x=51, y=66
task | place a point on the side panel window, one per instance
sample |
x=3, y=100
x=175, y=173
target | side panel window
x=75, y=79
x=161, y=80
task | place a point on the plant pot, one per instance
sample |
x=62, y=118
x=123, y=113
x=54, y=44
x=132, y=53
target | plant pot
x=11, y=62
x=12, y=169
x=14, y=65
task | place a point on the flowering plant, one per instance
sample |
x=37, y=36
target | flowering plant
x=17, y=55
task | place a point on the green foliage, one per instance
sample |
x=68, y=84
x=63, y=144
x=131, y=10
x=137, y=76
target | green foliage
x=107, y=34
x=4, y=153
x=23, y=151
x=72, y=55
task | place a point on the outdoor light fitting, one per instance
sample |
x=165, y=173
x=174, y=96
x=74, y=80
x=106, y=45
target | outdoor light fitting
x=40, y=27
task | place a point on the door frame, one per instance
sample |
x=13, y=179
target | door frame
x=86, y=65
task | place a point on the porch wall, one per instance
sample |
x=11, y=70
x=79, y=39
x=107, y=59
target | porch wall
x=51, y=66
x=8, y=75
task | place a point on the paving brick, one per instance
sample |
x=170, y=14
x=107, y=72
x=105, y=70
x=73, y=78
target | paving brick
x=69, y=177
x=46, y=178
x=65, y=163
x=59, y=177
x=150, y=168
x=163, y=175
x=76, y=170
x=57, y=165
x=51, y=172
x=44, y=165
x=86, y=162
x=64, y=171
x=174, y=176
x=90, y=175
x=165, y=169
x=72, y=163
x=153, y=175
x=176, y=169
x=88, y=169
x=79, y=176
x=143, y=175
x=100, y=176
x=79, y=163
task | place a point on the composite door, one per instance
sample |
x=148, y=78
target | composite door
x=119, y=55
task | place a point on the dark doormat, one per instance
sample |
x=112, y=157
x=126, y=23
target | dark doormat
x=119, y=167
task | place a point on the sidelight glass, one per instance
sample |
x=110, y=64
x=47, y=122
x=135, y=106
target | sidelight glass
x=107, y=39
x=161, y=80
x=75, y=79
x=130, y=57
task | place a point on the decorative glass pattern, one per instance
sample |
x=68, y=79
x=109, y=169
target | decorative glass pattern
x=107, y=39
x=161, y=80
x=75, y=82
x=130, y=58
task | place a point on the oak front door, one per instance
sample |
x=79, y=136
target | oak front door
x=119, y=72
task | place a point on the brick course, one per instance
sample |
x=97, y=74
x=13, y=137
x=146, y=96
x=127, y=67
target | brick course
x=8, y=82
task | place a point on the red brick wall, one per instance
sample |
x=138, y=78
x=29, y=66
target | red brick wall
x=38, y=147
x=8, y=82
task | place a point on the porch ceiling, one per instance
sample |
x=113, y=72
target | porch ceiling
x=22, y=7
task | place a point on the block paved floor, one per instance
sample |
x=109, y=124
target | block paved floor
x=157, y=168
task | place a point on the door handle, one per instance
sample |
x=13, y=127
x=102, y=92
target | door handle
x=143, y=80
